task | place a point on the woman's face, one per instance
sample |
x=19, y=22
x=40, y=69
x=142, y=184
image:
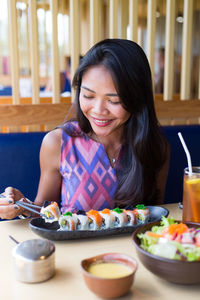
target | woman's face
x=101, y=104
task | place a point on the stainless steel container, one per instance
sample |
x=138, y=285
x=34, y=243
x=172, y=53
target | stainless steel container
x=34, y=260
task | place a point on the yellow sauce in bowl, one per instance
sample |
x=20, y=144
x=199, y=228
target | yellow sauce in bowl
x=109, y=270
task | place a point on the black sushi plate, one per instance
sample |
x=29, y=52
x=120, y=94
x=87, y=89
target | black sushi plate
x=51, y=230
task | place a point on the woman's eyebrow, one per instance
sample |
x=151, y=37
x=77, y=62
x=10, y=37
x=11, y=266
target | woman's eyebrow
x=112, y=95
x=84, y=87
x=109, y=94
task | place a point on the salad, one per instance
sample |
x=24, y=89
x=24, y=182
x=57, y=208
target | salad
x=172, y=240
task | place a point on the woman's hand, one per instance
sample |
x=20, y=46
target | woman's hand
x=8, y=208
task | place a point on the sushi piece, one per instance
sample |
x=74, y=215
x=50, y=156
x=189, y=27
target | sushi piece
x=142, y=214
x=68, y=222
x=51, y=212
x=108, y=219
x=131, y=216
x=121, y=218
x=83, y=222
x=95, y=219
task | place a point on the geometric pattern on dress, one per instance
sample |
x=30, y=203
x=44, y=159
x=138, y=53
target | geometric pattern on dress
x=108, y=184
x=90, y=187
x=89, y=181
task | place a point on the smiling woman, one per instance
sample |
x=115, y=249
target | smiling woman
x=114, y=153
x=103, y=108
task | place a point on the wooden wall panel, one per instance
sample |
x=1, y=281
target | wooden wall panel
x=133, y=19
x=151, y=26
x=169, y=50
x=55, y=52
x=113, y=15
x=14, y=51
x=186, y=52
x=34, y=51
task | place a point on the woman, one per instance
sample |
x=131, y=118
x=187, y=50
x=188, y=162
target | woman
x=115, y=154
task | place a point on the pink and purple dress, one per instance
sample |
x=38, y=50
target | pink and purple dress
x=88, y=179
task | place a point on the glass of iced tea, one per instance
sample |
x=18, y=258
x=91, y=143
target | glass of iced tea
x=191, y=195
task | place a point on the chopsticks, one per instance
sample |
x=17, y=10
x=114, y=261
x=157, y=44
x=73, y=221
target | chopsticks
x=30, y=207
x=28, y=204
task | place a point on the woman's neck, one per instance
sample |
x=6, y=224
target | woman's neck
x=112, y=145
x=109, y=142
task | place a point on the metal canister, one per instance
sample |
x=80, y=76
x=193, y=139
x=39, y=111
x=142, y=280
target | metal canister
x=34, y=260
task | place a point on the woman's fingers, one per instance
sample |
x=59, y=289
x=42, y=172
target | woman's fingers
x=11, y=192
x=8, y=208
x=6, y=201
x=10, y=211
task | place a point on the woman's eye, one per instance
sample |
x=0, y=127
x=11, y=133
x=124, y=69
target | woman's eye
x=87, y=97
x=114, y=102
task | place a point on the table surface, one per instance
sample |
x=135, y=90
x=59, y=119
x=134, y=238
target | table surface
x=68, y=282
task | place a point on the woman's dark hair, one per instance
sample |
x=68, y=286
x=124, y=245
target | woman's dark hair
x=145, y=147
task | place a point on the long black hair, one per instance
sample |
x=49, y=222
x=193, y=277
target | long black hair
x=145, y=147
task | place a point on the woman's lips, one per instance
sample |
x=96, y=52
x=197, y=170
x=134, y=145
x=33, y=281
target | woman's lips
x=102, y=122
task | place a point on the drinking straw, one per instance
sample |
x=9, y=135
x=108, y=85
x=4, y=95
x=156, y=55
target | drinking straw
x=190, y=189
x=187, y=153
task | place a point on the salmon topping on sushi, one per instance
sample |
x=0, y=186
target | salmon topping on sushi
x=95, y=219
x=106, y=211
x=95, y=214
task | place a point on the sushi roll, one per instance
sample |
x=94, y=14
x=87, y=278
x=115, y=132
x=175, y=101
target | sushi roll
x=95, y=219
x=120, y=217
x=51, y=212
x=131, y=216
x=67, y=221
x=83, y=222
x=108, y=219
x=142, y=214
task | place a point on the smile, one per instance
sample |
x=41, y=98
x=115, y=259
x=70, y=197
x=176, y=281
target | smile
x=101, y=122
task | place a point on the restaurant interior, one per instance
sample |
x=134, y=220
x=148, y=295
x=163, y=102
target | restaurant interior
x=41, y=44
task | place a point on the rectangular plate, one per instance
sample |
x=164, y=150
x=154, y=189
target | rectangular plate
x=50, y=230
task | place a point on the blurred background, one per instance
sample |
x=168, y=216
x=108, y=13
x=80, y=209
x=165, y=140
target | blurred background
x=42, y=42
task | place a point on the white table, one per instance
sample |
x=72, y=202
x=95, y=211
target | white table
x=68, y=282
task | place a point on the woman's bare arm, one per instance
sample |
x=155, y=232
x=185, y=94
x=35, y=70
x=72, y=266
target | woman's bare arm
x=50, y=179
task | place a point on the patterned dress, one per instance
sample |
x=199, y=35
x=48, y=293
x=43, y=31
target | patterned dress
x=88, y=179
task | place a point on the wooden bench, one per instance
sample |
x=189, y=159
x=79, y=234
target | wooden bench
x=19, y=160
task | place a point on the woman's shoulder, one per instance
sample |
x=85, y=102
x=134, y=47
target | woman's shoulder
x=53, y=135
x=52, y=140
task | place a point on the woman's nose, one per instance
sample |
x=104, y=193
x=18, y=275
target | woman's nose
x=100, y=106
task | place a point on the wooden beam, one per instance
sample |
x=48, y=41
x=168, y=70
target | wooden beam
x=113, y=26
x=48, y=113
x=133, y=19
x=151, y=33
x=94, y=21
x=74, y=22
x=55, y=52
x=28, y=114
x=187, y=50
x=14, y=51
x=177, y=109
x=169, y=50
x=34, y=48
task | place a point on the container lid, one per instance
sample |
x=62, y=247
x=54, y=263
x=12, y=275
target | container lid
x=35, y=249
